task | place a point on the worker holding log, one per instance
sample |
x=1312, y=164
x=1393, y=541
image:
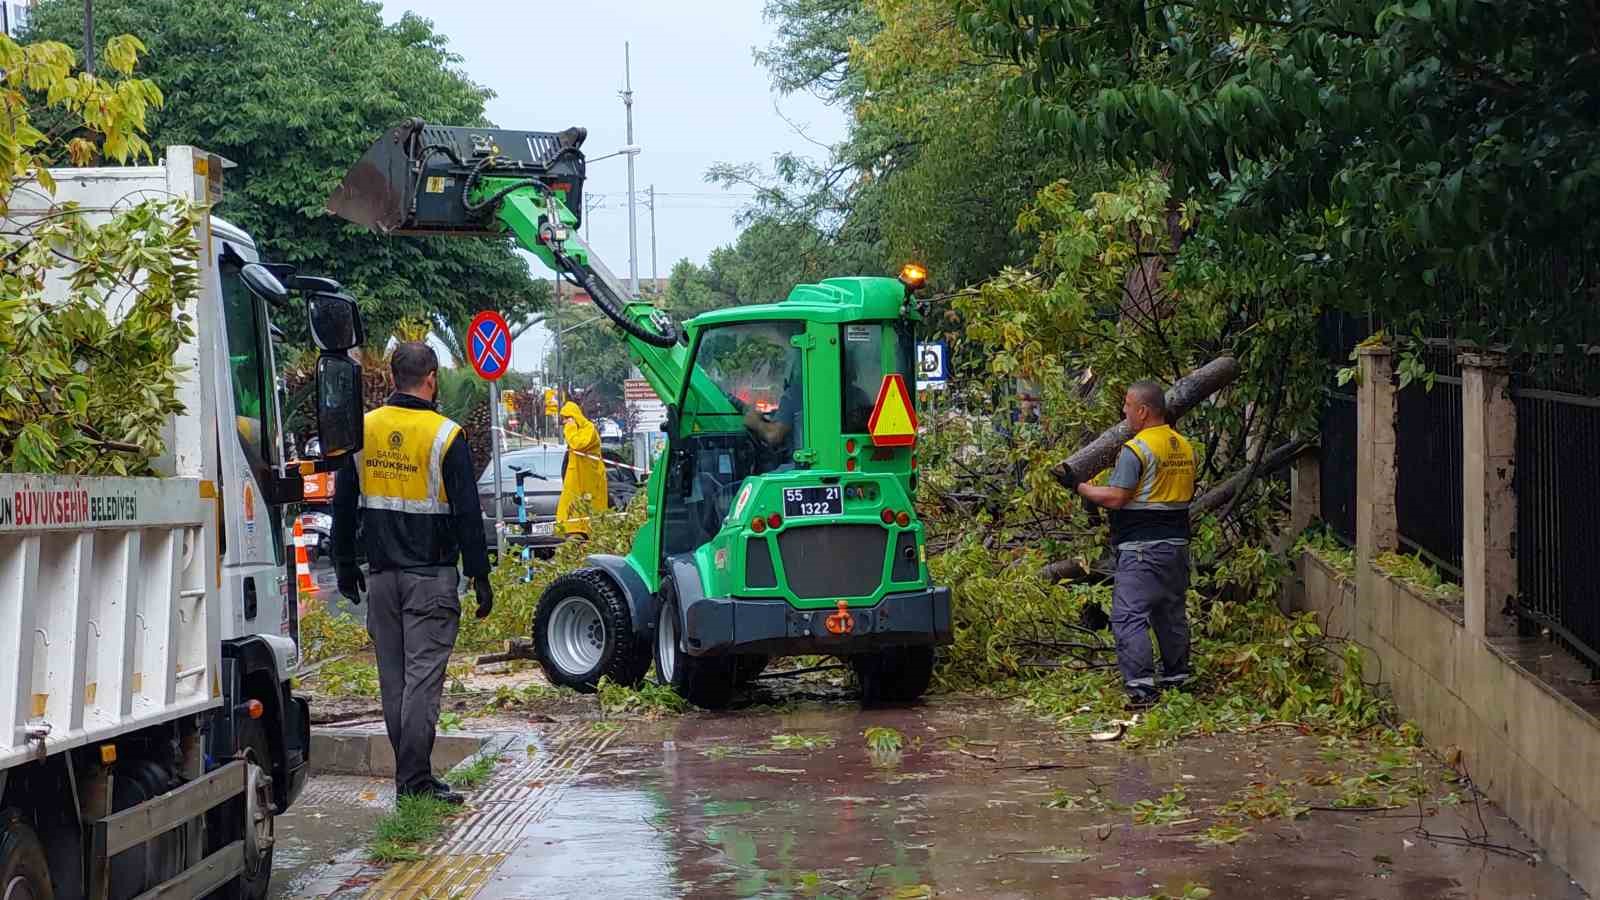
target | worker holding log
x=1148, y=495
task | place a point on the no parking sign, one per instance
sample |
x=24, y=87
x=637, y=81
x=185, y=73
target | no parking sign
x=489, y=345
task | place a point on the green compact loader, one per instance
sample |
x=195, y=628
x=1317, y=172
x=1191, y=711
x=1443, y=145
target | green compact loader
x=781, y=519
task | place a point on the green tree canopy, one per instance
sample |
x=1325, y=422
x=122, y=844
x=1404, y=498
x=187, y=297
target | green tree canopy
x=294, y=91
x=1425, y=138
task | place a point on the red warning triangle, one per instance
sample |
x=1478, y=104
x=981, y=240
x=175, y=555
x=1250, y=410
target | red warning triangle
x=894, y=418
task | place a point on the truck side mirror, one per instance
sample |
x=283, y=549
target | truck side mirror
x=264, y=284
x=339, y=406
x=335, y=322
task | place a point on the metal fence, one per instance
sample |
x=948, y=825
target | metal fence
x=1558, y=501
x=1428, y=482
x=1337, y=334
x=1336, y=461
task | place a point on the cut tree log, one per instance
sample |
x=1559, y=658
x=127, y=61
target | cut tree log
x=1181, y=397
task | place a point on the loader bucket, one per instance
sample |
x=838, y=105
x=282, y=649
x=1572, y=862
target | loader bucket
x=411, y=180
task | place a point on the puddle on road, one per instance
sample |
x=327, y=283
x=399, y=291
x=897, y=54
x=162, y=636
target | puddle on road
x=724, y=807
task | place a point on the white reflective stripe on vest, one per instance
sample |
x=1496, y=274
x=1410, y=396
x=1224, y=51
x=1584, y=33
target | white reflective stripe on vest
x=441, y=441
x=396, y=504
x=1147, y=472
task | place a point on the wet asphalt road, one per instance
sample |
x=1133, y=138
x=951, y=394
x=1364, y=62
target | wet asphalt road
x=767, y=803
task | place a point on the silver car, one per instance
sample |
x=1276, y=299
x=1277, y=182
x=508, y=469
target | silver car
x=540, y=468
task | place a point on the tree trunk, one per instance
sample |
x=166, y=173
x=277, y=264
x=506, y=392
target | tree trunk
x=1188, y=391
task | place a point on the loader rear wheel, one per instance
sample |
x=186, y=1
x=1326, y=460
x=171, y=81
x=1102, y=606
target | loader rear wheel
x=24, y=872
x=706, y=681
x=895, y=675
x=583, y=631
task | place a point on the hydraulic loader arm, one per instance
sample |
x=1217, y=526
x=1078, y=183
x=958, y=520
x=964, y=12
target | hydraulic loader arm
x=430, y=179
x=527, y=212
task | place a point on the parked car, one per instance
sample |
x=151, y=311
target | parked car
x=546, y=466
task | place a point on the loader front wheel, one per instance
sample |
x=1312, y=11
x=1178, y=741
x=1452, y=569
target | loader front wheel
x=583, y=631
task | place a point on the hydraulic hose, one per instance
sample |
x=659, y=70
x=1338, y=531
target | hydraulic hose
x=666, y=337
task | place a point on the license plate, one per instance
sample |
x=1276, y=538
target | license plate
x=813, y=501
x=542, y=528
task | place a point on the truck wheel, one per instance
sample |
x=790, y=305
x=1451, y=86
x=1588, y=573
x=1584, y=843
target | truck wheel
x=706, y=681
x=249, y=818
x=24, y=873
x=895, y=675
x=583, y=631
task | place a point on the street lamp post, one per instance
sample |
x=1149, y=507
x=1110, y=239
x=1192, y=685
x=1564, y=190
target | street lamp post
x=633, y=227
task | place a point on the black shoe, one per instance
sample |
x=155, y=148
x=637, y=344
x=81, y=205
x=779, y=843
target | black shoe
x=1141, y=699
x=436, y=791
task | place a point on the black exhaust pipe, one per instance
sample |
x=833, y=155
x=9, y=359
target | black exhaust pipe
x=414, y=179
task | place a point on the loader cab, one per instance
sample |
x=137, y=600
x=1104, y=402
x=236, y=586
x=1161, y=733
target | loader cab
x=785, y=389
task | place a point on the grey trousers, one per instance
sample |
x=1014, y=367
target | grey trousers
x=413, y=616
x=1148, y=593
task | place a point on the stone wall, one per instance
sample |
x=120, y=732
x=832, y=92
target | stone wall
x=1531, y=750
x=1458, y=669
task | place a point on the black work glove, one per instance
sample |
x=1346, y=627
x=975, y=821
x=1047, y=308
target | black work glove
x=352, y=584
x=1069, y=479
x=485, y=596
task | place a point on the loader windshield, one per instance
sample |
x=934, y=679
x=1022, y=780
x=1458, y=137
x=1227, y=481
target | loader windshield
x=756, y=367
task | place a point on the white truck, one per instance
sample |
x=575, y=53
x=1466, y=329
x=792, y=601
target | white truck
x=147, y=631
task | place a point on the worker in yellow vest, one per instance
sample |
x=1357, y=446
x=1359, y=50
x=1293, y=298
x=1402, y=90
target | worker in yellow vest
x=584, y=475
x=413, y=488
x=1149, y=493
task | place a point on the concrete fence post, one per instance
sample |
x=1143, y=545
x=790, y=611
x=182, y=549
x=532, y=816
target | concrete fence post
x=1305, y=490
x=1376, y=531
x=1489, y=498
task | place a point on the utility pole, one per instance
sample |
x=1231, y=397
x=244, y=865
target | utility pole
x=655, y=273
x=88, y=36
x=633, y=230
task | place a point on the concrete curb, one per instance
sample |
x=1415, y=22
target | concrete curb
x=366, y=751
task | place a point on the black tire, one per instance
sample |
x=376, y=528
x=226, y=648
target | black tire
x=708, y=682
x=589, y=643
x=163, y=856
x=227, y=823
x=895, y=675
x=747, y=666
x=24, y=871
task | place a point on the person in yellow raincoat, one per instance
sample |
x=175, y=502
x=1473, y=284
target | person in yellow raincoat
x=586, y=473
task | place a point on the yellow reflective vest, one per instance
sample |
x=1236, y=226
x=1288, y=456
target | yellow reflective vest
x=1159, y=510
x=414, y=489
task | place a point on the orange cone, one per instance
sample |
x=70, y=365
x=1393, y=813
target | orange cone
x=302, y=565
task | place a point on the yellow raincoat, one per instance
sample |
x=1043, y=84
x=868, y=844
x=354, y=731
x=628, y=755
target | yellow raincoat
x=586, y=474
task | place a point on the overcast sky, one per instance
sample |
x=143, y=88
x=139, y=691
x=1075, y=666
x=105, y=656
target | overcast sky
x=699, y=99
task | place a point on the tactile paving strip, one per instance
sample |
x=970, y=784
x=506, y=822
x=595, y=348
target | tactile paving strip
x=534, y=771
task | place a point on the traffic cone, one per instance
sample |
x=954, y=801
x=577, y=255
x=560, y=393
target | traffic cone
x=302, y=565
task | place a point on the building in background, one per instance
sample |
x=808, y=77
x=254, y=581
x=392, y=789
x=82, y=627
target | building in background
x=14, y=16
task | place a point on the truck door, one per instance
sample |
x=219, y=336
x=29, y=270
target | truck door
x=253, y=559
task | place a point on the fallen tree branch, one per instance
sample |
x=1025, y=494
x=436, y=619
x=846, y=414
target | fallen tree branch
x=1184, y=395
x=1273, y=460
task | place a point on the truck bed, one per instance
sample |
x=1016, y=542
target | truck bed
x=106, y=621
